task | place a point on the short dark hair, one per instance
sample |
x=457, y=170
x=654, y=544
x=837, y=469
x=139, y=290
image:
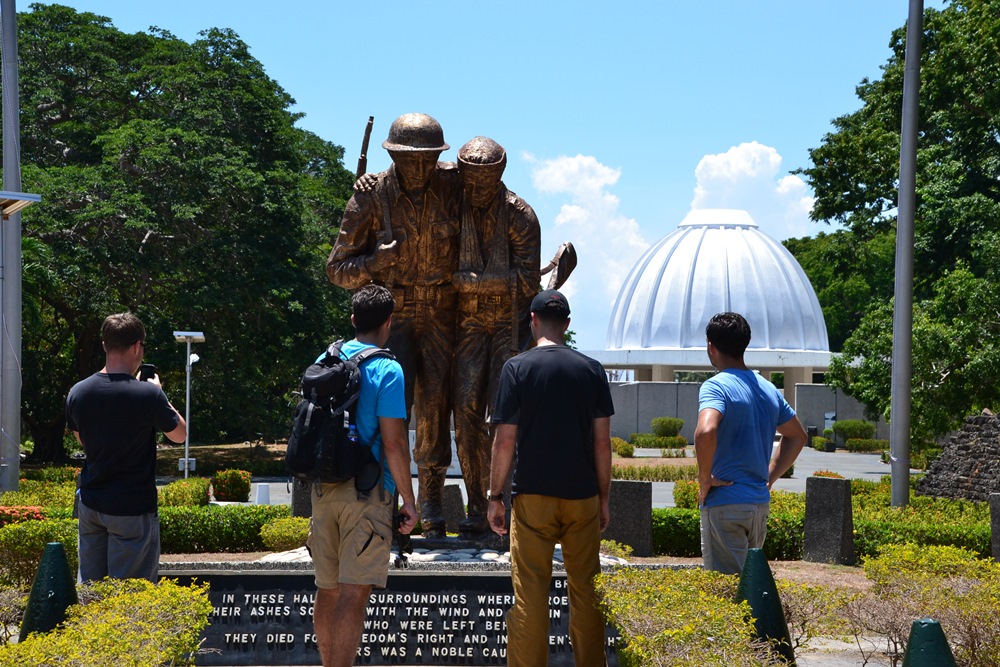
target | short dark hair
x=121, y=331
x=729, y=333
x=371, y=306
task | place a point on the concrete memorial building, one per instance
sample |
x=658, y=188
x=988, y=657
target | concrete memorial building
x=716, y=260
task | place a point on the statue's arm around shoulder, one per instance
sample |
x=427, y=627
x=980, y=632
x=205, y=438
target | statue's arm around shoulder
x=347, y=264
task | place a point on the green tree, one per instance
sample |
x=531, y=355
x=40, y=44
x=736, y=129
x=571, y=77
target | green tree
x=175, y=185
x=854, y=174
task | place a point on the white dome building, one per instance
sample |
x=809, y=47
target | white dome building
x=716, y=260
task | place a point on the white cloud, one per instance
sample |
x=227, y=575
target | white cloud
x=607, y=242
x=747, y=177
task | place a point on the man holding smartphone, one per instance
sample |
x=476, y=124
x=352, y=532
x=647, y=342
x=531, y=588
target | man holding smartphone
x=115, y=417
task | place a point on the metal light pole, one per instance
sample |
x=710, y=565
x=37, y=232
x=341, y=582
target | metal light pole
x=188, y=337
x=11, y=202
x=902, y=320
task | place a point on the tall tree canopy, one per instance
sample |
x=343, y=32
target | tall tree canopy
x=854, y=174
x=175, y=185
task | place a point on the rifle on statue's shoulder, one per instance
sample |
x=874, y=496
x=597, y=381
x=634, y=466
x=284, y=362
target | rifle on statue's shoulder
x=363, y=159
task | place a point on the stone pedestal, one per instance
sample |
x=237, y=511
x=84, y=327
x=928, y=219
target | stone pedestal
x=829, y=522
x=995, y=525
x=452, y=507
x=631, y=506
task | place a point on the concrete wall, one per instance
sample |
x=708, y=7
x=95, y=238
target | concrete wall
x=637, y=403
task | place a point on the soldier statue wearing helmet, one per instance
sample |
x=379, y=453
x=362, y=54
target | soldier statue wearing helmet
x=498, y=275
x=403, y=233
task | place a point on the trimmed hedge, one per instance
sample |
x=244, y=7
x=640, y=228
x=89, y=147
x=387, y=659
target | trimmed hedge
x=659, y=473
x=667, y=426
x=818, y=443
x=847, y=429
x=10, y=515
x=231, y=486
x=22, y=545
x=285, y=534
x=51, y=474
x=230, y=528
x=40, y=494
x=190, y=492
x=621, y=448
x=866, y=445
x=648, y=440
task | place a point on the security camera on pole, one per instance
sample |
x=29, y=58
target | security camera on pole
x=187, y=464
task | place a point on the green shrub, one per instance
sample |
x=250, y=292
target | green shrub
x=687, y=619
x=231, y=485
x=285, y=534
x=846, y=429
x=616, y=444
x=828, y=433
x=650, y=441
x=686, y=494
x=863, y=445
x=40, y=494
x=673, y=443
x=190, y=492
x=51, y=474
x=625, y=449
x=230, y=528
x=828, y=473
x=660, y=473
x=667, y=426
x=136, y=624
x=22, y=544
x=819, y=444
x=784, y=536
x=15, y=514
x=12, y=603
x=676, y=532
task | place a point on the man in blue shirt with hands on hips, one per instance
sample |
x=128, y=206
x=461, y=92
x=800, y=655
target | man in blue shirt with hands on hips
x=738, y=414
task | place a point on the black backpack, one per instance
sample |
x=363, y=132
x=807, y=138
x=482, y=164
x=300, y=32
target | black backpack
x=321, y=447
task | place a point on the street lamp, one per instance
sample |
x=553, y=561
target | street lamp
x=187, y=464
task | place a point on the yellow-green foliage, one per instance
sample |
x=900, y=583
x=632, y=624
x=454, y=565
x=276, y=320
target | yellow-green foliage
x=812, y=611
x=667, y=426
x=679, y=618
x=285, y=534
x=946, y=583
x=622, y=448
x=190, y=492
x=231, y=485
x=134, y=624
x=660, y=473
x=22, y=544
x=40, y=494
x=616, y=549
x=12, y=602
x=686, y=494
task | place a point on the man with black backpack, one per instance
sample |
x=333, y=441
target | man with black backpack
x=350, y=532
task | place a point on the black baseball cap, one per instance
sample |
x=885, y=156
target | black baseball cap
x=550, y=301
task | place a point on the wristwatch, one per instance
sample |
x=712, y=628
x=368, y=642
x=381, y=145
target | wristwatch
x=495, y=497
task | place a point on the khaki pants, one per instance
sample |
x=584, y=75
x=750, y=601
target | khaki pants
x=727, y=531
x=537, y=524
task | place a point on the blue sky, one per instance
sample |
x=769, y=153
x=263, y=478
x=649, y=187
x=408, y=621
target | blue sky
x=617, y=118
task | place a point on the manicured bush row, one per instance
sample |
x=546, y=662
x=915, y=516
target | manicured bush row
x=230, y=528
x=679, y=453
x=818, y=443
x=657, y=441
x=40, y=494
x=51, y=474
x=846, y=429
x=866, y=445
x=16, y=514
x=622, y=448
x=660, y=473
x=22, y=544
x=190, y=492
x=285, y=534
x=667, y=426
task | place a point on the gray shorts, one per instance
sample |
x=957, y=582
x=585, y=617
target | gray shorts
x=120, y=547
x=727, y=531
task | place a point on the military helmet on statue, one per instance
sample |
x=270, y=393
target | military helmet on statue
x=482, y=152
x=415, y=132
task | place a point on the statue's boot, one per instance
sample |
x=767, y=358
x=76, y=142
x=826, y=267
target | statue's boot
x=431, y=482
x=475, y=526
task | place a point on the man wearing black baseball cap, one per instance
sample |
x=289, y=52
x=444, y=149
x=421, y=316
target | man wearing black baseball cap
x=554, y=410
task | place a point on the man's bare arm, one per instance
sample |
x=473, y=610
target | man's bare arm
x=602, y=461
x=706, y=438
x=793, y=438
x=504, y=444
x=397, y=457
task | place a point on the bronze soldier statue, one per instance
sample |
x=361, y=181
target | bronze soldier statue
x=498, y=275
x=404, y=234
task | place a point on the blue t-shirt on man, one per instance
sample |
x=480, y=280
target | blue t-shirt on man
x=752, y=408
x=382, y=395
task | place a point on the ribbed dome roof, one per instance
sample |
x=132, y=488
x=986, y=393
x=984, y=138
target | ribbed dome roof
x=716, y=260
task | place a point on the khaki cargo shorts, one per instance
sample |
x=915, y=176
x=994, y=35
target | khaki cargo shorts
x=349, y=539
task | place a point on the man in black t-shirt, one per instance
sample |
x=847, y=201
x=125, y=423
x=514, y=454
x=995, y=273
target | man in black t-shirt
x=553, y=412
x=115, y=417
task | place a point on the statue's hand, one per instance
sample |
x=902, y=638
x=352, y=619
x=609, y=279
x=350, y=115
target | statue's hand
x=465, y=281
x=366, y=183
x=384, y=257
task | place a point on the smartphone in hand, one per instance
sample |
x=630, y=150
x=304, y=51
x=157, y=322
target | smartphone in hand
x=147, y=372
